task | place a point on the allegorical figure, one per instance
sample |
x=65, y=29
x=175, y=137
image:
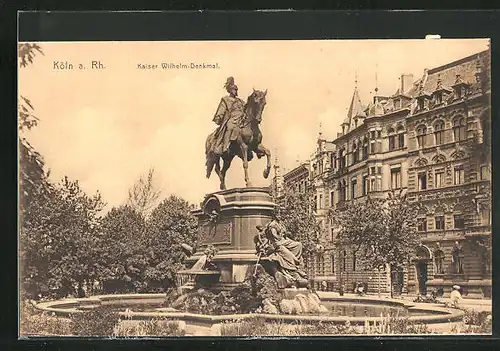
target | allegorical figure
x=284, y=253
x=229, y=117
x=457, y=258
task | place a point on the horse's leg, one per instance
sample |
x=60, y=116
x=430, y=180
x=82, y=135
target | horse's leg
x=244, y=155
x=217, y=170
x=261, y=149
x=227, y=158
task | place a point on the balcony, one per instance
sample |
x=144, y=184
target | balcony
x=450, y=191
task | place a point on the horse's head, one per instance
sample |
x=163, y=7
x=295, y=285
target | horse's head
x=256, y=103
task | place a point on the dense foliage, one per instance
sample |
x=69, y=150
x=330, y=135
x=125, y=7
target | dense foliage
x=68, y=248
x=383, y=231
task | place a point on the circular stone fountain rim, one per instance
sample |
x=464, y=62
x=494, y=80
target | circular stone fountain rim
x=438, y=314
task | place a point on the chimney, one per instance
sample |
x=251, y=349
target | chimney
x=406, y=82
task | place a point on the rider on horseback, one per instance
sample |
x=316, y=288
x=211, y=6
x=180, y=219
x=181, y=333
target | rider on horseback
x=229, y=117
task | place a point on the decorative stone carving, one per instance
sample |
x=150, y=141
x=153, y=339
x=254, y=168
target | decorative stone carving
x=219, y=233
x=421, y=162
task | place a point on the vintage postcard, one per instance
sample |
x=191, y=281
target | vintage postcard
x=255, y=188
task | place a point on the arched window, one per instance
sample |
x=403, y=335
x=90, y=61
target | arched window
x=392, y=139
x=439, y=132
x=459, y=128
x=421, y=133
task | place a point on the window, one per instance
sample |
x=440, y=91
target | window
x=344, y=261
x=439, y=132
x=332, y=233
x=438, y=98
x=459, y=175
x=315, y=203
x=421, y=132
x=379, y=134
x=365, y=185
x=332, y=160
x=320, y=200
x=459, y=129
x=372, y=170
x=458, y=221
x=397, y=104
x=379, y=170
x=379, y=183
x=341, y=159
x=372, y=134
x=439, y=222
x=485, y=215
x=422, y=181
x=372, y=184
x=332, y=263
x=353, y=261
x=484, y=173
x=439, y=179
x=365, y=148
x=353, y=188
x=401, y=137
x=332, y=195
x=395, y=178
x=422, y=224
x=342, y=191
x=355, y=153
x=421, y=103
x=392, y=137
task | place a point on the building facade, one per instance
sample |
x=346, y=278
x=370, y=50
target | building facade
x=431, y=140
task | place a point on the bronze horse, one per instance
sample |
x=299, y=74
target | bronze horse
x=249, y=141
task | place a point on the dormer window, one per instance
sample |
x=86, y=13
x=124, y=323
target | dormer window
x=421, y=103
x=460, y=88
x=397, y=104
x=438, y=98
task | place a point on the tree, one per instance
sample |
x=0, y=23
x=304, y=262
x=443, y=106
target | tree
x=361, y=227
x=74, y=227
x=297, y=214
x=169, y=225
x=402, y=238
x=124, y=251
x=144, y=193
x=383, y=230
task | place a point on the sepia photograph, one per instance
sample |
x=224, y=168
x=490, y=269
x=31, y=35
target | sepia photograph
x=258, y=188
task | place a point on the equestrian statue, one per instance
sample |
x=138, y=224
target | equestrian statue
x=238, y=133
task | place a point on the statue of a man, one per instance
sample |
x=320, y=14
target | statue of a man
x=457, y=257
x=486, y=255
x=439, y=258
x=229, y=117
x=284, y=252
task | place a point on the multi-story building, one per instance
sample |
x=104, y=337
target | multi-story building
x=427, y=139
x=449, y=176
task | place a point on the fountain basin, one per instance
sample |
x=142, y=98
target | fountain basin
x=427, y=313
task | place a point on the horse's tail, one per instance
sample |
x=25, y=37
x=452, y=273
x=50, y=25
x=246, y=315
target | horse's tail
x=210, y=156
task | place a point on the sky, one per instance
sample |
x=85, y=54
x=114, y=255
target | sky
x=106, y=127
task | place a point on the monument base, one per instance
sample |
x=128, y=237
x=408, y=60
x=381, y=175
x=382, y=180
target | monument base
x=227, y=220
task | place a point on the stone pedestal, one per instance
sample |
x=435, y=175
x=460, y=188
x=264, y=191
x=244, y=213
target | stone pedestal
x=227, y=220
